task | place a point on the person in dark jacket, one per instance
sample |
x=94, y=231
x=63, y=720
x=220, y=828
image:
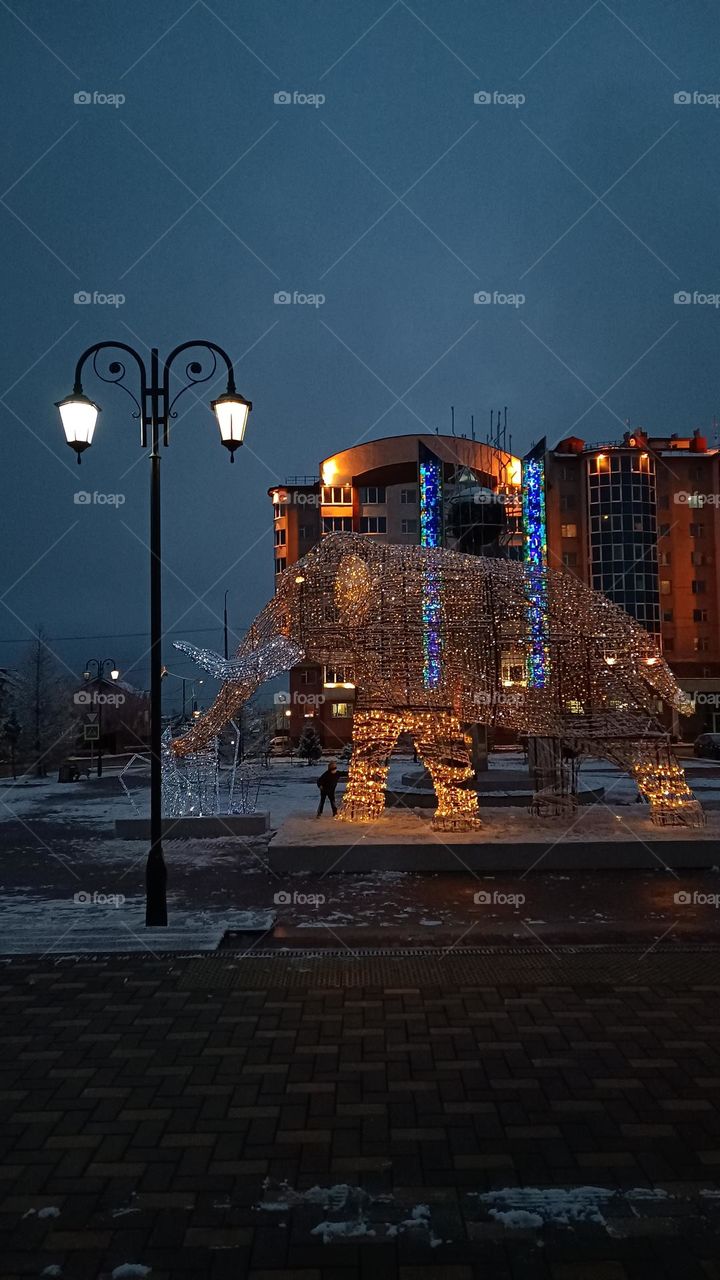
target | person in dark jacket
x=327, y=783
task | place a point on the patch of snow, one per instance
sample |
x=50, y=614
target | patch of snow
x=342, y=1230
x=129, y=1269
x=517, y=1219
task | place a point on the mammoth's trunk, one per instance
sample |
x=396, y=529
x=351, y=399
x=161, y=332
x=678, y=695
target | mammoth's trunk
x=255, y=663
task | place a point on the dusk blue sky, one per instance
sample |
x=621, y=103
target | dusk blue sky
x=310, y=199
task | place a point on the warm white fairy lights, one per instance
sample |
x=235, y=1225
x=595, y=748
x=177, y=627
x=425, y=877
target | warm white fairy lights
x=354, y=601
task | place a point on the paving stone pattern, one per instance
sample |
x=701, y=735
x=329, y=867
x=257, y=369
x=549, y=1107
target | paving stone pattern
x=149, y=1121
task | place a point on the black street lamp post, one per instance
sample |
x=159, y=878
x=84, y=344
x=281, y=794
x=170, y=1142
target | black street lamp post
x=100, y=664
x=154, y=409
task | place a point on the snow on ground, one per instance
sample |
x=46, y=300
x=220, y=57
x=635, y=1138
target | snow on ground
x=524, y=1207
x=512, y=826
x=57, y=841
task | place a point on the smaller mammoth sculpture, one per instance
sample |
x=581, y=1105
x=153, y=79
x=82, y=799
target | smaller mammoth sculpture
x=439, y=640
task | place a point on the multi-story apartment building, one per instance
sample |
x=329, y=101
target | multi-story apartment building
x=638, y=520
x=379, y=489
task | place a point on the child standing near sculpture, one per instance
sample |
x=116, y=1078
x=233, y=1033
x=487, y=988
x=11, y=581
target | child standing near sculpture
x=327, y=783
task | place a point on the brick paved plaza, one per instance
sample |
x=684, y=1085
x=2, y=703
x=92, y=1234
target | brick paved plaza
x=175, y=1114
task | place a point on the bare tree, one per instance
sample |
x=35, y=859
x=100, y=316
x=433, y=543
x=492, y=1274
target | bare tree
x=43, y=708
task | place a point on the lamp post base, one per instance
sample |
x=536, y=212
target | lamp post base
x=155, y=885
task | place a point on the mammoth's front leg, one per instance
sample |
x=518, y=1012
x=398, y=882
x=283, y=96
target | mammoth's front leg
x=374, y=736
x=444, y=749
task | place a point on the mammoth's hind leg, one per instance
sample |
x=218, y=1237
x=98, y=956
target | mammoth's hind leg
x=445, y=750
x=373, y=738
x=660, y=779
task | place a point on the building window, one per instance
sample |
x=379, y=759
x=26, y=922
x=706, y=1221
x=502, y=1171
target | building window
x=278, y=512
x=699, y=615
x=664, y=557
x=567, y=502
x=408, y=497
x=280, y=564
x=568, y=530
x=699, y=557
x=344, y=675
x=665, y=587
x=340, y=710
x=698, y=587
x=337, y=495
x=337, y=524
x=570, y=559
x=304, y=531
x=373, y=524
x=668, y=644
x=408, y=526
x=664, y=530
x=280, y=537
x=701, y=644
x=667, y=615
x=308, y=676
x=697, y=530
x=372, y=495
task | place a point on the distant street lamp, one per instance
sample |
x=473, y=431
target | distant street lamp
x=154, y=409
x=100, y=664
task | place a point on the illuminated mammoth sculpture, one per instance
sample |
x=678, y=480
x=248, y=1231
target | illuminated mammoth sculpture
x=439, y=640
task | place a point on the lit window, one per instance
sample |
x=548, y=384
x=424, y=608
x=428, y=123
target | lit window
x=568, y=530
x=339, y=675
x=336, y=495
x=340, y=710
x=373, y=524
x=665, y=587
x=372, y=495
x=408, y=526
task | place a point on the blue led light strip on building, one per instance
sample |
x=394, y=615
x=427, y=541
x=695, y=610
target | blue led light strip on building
x=431, y=536
x=534, y=521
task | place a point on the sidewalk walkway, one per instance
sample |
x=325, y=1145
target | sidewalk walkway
x=447, y=1123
